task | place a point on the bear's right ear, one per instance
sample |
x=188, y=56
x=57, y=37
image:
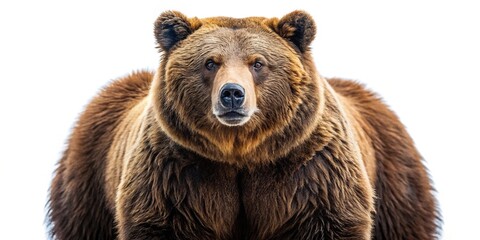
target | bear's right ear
x=172, y=27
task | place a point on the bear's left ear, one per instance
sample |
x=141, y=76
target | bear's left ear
x=172, y=27
x=298, y=27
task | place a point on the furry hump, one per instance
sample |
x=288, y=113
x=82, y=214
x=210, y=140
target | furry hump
x=320, y=159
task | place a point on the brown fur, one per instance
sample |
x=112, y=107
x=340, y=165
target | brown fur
x=320, y=159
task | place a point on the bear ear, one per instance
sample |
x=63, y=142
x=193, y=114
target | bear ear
x=298, y=27
x=172, y=27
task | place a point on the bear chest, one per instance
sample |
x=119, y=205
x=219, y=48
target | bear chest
x=231, y=204
x=276, y=203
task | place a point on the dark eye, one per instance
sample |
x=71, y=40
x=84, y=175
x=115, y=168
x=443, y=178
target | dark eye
x=210, y=65
x=257, y=66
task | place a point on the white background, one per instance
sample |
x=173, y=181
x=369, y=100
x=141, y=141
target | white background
x=423, y=57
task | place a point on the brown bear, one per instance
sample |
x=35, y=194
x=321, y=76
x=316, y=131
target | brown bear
x=236, y=136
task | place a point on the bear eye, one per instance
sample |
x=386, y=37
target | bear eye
x=257, y=66
x=210, y=65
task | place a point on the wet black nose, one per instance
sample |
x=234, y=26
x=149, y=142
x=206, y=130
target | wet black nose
x=232, y=95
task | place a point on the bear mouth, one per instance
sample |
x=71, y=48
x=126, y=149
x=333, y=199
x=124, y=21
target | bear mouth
x=233, y=118
x=233, y=115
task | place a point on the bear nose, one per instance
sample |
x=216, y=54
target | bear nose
x=232, y=95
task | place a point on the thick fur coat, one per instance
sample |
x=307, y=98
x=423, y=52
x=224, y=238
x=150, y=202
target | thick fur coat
x=157, y=156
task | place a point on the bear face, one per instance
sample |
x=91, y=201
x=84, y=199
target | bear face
x=240, y=91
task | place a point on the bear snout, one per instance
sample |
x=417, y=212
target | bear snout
x=232, y=106
x=232, y=96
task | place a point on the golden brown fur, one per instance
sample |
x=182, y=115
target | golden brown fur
x=149, y=158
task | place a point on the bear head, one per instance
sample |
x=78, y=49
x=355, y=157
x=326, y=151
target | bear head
x=241, y=91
